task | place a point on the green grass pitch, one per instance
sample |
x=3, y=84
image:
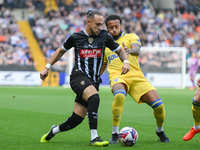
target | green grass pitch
x=26, y=113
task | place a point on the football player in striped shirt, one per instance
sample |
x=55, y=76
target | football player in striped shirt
x=89, y=47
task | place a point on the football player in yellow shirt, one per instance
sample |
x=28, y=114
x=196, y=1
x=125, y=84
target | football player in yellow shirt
x=133, y=83
x=196, y=114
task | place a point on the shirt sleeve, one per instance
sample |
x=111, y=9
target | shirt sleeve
x=135, y=39
x=111, y=44
x=68, y=43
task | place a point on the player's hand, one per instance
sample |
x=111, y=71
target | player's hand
x=44, y=73
x=125, y=68
x=198, y=82
x=125, y=48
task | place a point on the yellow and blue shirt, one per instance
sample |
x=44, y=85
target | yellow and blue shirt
x=115, y=64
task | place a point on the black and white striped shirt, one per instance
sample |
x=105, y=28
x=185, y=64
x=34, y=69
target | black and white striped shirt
x=89, y=51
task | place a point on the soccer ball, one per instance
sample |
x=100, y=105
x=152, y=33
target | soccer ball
x=128, y=136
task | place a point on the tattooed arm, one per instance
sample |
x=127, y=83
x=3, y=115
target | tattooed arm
x=124, y=58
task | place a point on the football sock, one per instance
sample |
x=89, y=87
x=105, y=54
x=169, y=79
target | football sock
x=115, y=129
x=159, y=129
x=117, y=106
x=159, y=111
x=196, y=127
x=196, y=113
x=71, y=122
x=55, y=130
x=93, y=134
x=93, y=105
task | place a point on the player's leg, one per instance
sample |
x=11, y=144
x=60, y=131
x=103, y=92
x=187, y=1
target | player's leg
x=119, y=93
x=80, y=106
x=153, y=99
x=192, y=73
x=196, y=115
x=90, y=94
x=75, y=119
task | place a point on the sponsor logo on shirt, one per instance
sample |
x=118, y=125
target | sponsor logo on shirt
x=112, y=57
x=89, y=53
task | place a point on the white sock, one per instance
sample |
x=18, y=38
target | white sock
x=115, y=129
x=159, y=129
x=56, y=130
x=196, y=127
x=93, y=134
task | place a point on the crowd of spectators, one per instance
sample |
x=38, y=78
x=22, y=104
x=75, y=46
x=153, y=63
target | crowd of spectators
x=14, y=49
x=165, y=28
x=12, y=4
x=159, y=28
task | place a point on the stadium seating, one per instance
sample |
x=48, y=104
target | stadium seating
x=156, y=28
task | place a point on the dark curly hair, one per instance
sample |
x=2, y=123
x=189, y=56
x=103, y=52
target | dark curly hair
x=113, y=17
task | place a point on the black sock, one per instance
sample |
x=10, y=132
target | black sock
x=71, y=122
x=93, y=105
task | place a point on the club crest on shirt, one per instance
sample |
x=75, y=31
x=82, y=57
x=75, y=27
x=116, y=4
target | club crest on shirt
x=82, y=82
x=90, y=40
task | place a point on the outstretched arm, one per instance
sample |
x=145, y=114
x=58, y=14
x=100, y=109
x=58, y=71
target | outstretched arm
x=55, y=57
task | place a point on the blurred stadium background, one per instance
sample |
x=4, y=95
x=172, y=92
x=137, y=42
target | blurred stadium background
x=31, y=30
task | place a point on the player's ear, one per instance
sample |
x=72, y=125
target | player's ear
x=89, y=21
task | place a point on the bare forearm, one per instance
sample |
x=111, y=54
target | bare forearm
x=56, y=56
x=122, y=55
x=135, y=51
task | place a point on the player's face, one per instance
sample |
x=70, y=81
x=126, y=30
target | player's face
x=114, y=27
x=96, y=24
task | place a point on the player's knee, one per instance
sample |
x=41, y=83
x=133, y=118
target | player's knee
x=120, y=96
x=94, y=99
x=93, y=105
x=119, y=99
x=118, y=103
x=117, y=110
x=159, y=109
